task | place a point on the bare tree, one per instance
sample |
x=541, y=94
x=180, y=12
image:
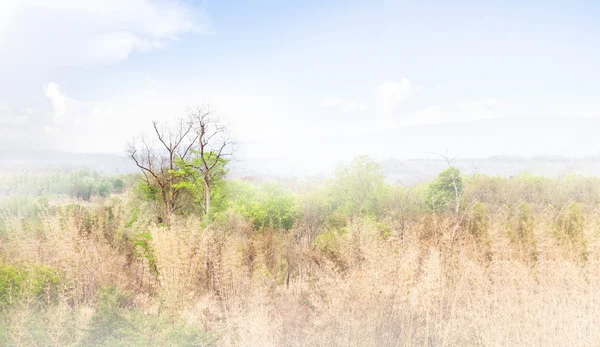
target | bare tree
x=158, y=165
x=213, y=145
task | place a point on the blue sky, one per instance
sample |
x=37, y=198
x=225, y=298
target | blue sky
x=298, y=77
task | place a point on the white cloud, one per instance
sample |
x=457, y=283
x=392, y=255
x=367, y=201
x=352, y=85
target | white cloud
x=74, y=32
x=429, y=115
x=392, y=93
x=92, y=126
x=388, y=95
x=107, y=125
x=481, y=107
x=66, y=111
x=10, y=117
x=476, y=110
x=466, y=111
x=343, y=105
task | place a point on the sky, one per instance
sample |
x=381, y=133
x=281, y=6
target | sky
x=307, y=82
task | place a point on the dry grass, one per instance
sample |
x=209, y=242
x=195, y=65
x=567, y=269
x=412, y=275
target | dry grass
x=368, y=290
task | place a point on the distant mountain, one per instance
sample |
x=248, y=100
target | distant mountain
x=397, y=171
x=107, y=163
x=418, y=170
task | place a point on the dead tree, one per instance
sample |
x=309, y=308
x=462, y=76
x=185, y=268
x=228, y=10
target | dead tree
x=158, y=165
x=213, y=145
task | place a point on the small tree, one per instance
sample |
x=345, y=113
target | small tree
x=446, y=190
x=448, y=187
x=194, y=182
x=359, y=187
x=212, y=145
x=159, y=165
x=192, y=152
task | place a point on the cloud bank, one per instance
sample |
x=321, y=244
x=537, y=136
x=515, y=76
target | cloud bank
x=57, y=33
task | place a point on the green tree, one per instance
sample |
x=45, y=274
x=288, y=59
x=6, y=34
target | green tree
x=213, y=145
x=118, y=185
x=158, y=166
x=358, y=187
x=270, y=206
x=192, y=180
x=446, y=190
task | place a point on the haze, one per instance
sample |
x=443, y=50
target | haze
x=306, y=84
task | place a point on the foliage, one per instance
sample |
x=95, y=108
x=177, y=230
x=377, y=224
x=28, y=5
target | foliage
x=358, y=188
x=185, y=185
x=336, y=221
x=117, y=323
x=523, y=235
x=313, y=211
x=118, y=185
x=569, y=229
x=193, y=181
x=27, y=281
x=445, y=189
x=142, y=247
x=405, y=205
x=477, y=221
x=269, y=206
x=395, y=242
x=570, y=222
x=21, y=206
x=80, y=184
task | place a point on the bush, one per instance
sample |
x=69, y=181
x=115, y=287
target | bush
x=359, y=188
x=336, y=222
x=269, y=206
x=523, y=234
x=142, y=247
x=117, y=323
x=569, y=229
x=27, y=281
x=53, y=325
x=313, y=211
x=477, y=221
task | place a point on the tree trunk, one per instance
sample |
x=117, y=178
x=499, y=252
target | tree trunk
x=167, y=207
x=207, y=198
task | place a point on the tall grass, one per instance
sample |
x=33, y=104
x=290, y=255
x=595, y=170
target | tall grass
x=419, y=279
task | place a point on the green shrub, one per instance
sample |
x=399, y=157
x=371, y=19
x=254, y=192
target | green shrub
x=570, y=222
x=359, y=188
x=117, y=323
x=477, y=221
x=27, y=281
x=329, y=243
x=569, y=228
x=133, y=217
x=142, y=247
x=336, y=221
x=53, y=325
x=269, y=206
x=118, y=185
x=523, y=232
x=384, y=229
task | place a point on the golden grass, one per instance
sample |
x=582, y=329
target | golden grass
x=268, y=290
